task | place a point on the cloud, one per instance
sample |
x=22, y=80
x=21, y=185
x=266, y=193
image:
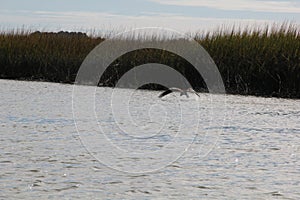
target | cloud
x=105, y=21
x=282, y=6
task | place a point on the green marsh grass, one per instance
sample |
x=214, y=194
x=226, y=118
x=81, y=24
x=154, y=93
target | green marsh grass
x=258, y=62
x=264, y=62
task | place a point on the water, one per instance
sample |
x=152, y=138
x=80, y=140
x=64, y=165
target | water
x=250, y=153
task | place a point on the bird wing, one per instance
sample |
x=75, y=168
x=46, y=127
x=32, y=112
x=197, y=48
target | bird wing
x=165, y=93
x=193, y=91
x=173, y=89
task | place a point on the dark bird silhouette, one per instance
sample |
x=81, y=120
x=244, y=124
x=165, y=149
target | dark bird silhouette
x=182, y=92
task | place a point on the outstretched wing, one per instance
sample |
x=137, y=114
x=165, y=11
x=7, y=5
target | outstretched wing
x=165, y=93
x=193, y=91
x=174, y=89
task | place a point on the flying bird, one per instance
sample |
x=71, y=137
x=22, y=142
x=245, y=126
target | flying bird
x=182, y=92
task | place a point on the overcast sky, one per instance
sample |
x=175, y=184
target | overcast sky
x=182, y=15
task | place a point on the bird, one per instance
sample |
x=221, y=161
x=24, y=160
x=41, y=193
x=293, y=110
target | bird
x=182, y=92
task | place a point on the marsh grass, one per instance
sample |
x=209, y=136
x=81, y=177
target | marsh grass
x=252, y=61
x=258, y=62
x=40, y=56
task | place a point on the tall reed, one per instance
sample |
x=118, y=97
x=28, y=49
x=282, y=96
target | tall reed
x=259, y=62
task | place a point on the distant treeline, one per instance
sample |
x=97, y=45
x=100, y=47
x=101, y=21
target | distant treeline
x=264, y=62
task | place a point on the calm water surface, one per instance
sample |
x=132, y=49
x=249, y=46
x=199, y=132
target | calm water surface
x=252, y=153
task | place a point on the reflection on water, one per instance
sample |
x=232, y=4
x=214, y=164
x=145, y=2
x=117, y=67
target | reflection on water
x=256, y=155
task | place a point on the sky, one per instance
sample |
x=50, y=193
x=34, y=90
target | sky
x=112, y=15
